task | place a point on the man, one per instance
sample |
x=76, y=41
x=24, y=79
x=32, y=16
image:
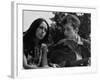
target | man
x=72, y=50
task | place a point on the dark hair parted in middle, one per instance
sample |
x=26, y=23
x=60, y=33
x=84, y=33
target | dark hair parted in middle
x=30, y=34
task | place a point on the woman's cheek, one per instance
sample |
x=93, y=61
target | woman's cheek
x=44, y=33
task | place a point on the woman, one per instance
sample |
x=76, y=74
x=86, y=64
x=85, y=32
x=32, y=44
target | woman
x=35, y=49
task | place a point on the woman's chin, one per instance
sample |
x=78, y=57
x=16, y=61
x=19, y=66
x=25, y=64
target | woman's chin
x=40, y=38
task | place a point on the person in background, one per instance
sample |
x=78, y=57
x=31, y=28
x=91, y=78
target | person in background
x=34, y=45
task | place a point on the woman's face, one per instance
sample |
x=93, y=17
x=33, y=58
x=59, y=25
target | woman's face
x=41, y=31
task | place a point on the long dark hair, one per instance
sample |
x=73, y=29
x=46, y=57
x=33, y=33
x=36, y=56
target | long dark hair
x=30, y=34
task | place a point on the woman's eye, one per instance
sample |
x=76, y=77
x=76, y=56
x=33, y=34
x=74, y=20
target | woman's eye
x=43, y=28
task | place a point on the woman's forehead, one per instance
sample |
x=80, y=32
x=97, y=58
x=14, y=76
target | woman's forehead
x=43, y=24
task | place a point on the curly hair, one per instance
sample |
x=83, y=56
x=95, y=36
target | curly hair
x=74, y=20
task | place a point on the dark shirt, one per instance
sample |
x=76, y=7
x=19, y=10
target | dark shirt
x=32, y=52
x=68, y=50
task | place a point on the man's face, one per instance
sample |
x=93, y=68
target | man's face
x=69, y=31
x=41, y=31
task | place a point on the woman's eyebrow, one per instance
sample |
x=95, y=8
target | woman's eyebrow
x=43, y=27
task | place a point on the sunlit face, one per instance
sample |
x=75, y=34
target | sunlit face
x=69, y=31
x=41, y=31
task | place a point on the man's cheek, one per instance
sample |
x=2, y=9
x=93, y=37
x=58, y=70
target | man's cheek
x=66, y=33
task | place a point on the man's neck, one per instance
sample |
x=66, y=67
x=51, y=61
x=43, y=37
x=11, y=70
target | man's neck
x=76, y=38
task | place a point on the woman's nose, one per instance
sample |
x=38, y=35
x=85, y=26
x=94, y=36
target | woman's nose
x=43, y=30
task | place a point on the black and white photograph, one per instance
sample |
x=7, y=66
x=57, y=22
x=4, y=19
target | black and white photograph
x=56, y=39
x=50, y=40
x=53, y=40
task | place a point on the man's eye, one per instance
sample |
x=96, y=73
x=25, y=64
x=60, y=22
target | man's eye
x=68, y=29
